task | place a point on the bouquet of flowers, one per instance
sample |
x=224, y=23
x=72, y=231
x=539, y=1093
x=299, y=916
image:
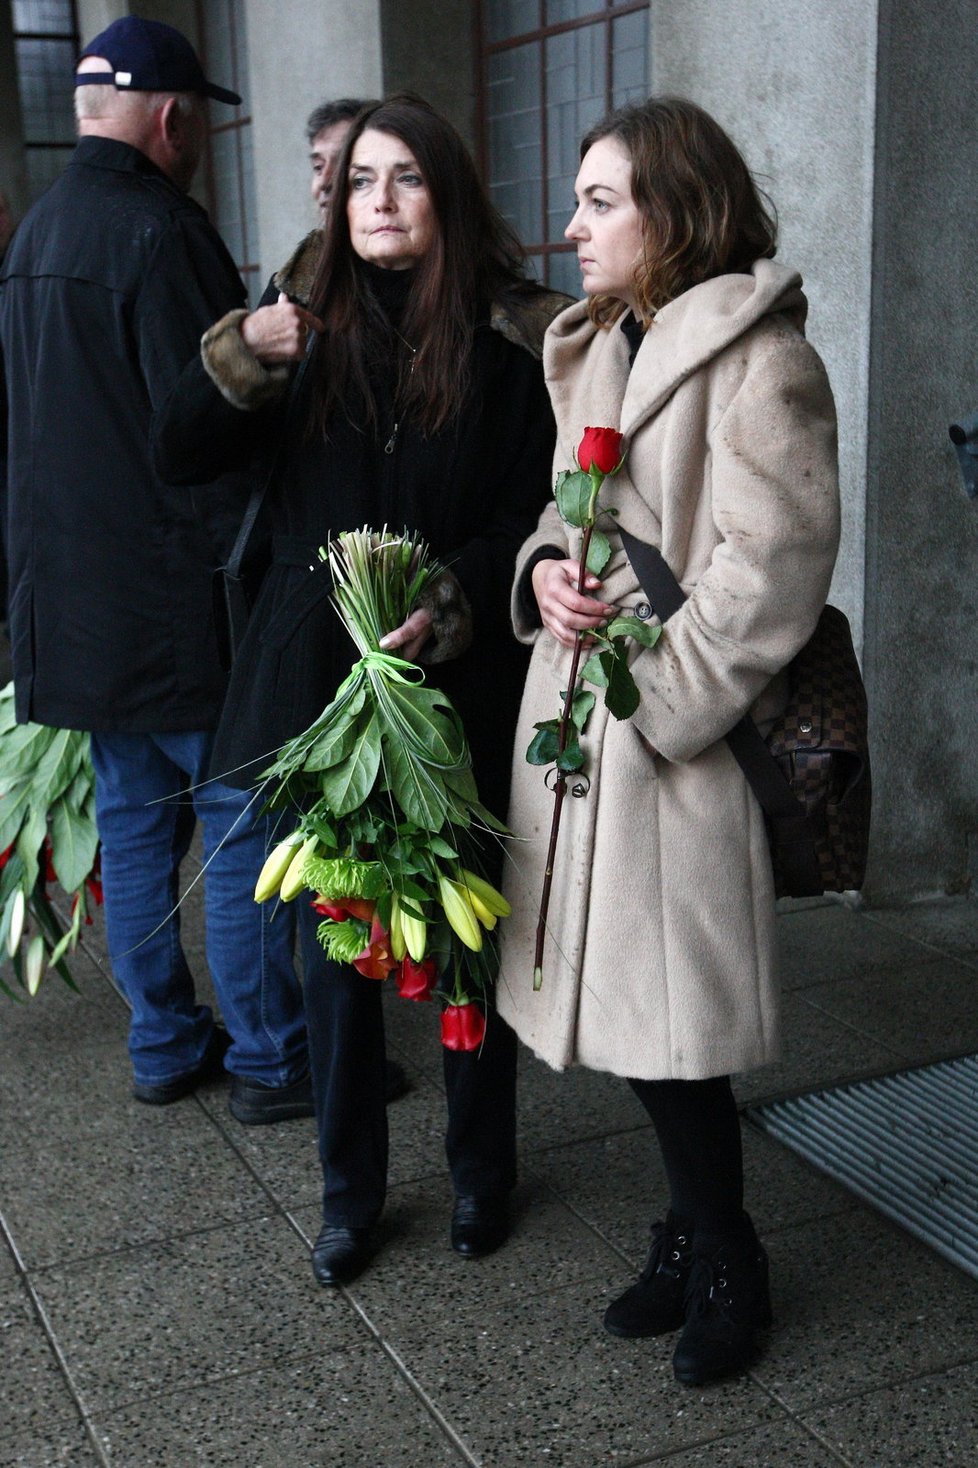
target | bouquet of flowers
x=47, y=836
x=388, y=809
x=557, y=742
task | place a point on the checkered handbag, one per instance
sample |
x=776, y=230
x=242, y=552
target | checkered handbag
x=820, y=744
x=811, y=773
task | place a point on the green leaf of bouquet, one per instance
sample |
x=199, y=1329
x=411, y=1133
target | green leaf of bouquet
x=29, y=839
x=74, y=842
x=622, y=697
x=573, y=496
x=595, y=670
x=463, y=783
x=418, y=790
x=13, y=809
x=440, y=847
x=346, y=786
x=598, y=552
x=543, y=747
x=334, y=745
x=643, y=632
x=416, y=709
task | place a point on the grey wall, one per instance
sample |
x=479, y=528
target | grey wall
x=327, y=48
x=429, y=48
x=922, y=630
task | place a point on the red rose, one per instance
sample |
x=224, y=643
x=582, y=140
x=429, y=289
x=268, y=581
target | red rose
x=600, y=448
x=376, y=960
x=416, y=980
x=462, y=1026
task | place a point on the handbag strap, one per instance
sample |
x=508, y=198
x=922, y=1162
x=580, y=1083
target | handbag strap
x=232, y=566
x=781, y=807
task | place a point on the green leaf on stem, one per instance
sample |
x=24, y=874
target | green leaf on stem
x=571, y=757
x=622, y=697
x=598, y=552
x=573, y=496
x=595, y=670
x=581, y=706
x=418, y=790
x=544, y=745
x=644, y=632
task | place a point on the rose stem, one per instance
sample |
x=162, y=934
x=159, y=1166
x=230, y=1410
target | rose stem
x=560, y=786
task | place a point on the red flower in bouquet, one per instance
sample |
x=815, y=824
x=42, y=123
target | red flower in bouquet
x=345, y=907
x=376, y=960
x=416, y=980
x=600, y=449
x=462, y=1027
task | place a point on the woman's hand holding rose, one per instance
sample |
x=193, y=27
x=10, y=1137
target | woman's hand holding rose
x=563, y=610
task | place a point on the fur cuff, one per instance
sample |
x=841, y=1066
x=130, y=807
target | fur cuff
x=451, y=619
x=235, y=371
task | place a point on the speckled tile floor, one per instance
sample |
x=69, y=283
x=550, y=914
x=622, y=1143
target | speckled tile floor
x=157, y=1309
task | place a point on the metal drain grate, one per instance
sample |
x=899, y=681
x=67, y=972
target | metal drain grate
x=905, y=1143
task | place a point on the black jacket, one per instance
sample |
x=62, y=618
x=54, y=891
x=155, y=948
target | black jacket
x=474, y=491
x=104, y=293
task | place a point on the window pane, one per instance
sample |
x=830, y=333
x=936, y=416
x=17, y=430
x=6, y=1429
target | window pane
x=630, y=57
x=44, y=15
x=515, y=169
x=560, y=10
x=504, y=19
x=43, y=166
x=45, y=73
x=565, y=274
x=575, y=100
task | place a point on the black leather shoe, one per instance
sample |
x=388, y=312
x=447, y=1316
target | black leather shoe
x=479, y=1225
x=653, y=1305
x=210, y=1067
x=255, y=1104
x=397, y=1083
x=340, y=1254
x=728, y=1303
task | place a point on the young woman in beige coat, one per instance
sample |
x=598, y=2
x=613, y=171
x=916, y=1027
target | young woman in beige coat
x=660, y=964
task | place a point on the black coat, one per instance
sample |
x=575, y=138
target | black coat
x=474, y=491
x=104, y=293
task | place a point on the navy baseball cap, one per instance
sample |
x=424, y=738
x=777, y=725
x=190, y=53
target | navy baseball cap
x=148, y=56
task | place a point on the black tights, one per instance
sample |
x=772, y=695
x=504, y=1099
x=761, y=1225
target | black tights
x=698, y=1129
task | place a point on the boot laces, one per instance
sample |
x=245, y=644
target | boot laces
x=666, y=1251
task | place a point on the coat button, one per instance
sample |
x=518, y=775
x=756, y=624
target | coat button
x=805, y=726
x=643, y=610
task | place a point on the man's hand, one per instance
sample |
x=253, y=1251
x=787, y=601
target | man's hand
x=279, y=333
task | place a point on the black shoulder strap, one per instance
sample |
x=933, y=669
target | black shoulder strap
x=256, y=499
x=785, y=814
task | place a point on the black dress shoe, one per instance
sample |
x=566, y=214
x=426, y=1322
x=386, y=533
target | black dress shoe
x=211, y=1066
x=340, y=1254
x=479, y=1225
x=396, y=1082
x=255, y=1104
x=656, y=1302
x=728, y=1306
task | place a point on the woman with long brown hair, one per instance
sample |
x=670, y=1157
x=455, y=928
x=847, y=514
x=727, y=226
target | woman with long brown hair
x=660, y=966
x=422, y=405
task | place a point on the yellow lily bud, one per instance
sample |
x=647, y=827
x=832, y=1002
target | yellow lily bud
x=272, y=874
x=486, y=918
x=454, y=898
x=486, y=893
x=398, y=945
x=294, y=882
x=415, y=935
x=34, y=967
x=16, y=921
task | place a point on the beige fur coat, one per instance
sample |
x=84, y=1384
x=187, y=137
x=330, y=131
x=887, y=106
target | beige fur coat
x=661, y=957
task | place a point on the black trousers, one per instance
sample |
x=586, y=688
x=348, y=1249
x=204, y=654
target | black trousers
x=698, y=1129
x=345, y=1021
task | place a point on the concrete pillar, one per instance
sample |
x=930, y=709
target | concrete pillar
x=859, y=118
x=325, y=48
x=429, y=48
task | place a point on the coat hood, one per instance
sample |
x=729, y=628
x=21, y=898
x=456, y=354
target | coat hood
x=684, y=336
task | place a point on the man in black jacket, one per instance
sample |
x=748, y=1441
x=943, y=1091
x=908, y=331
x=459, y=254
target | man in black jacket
x=104, y=294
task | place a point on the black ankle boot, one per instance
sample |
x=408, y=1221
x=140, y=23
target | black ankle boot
x=728, y=1303
x=653, y=1305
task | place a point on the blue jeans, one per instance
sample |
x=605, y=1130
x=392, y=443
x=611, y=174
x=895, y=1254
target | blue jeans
x=148, y=796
